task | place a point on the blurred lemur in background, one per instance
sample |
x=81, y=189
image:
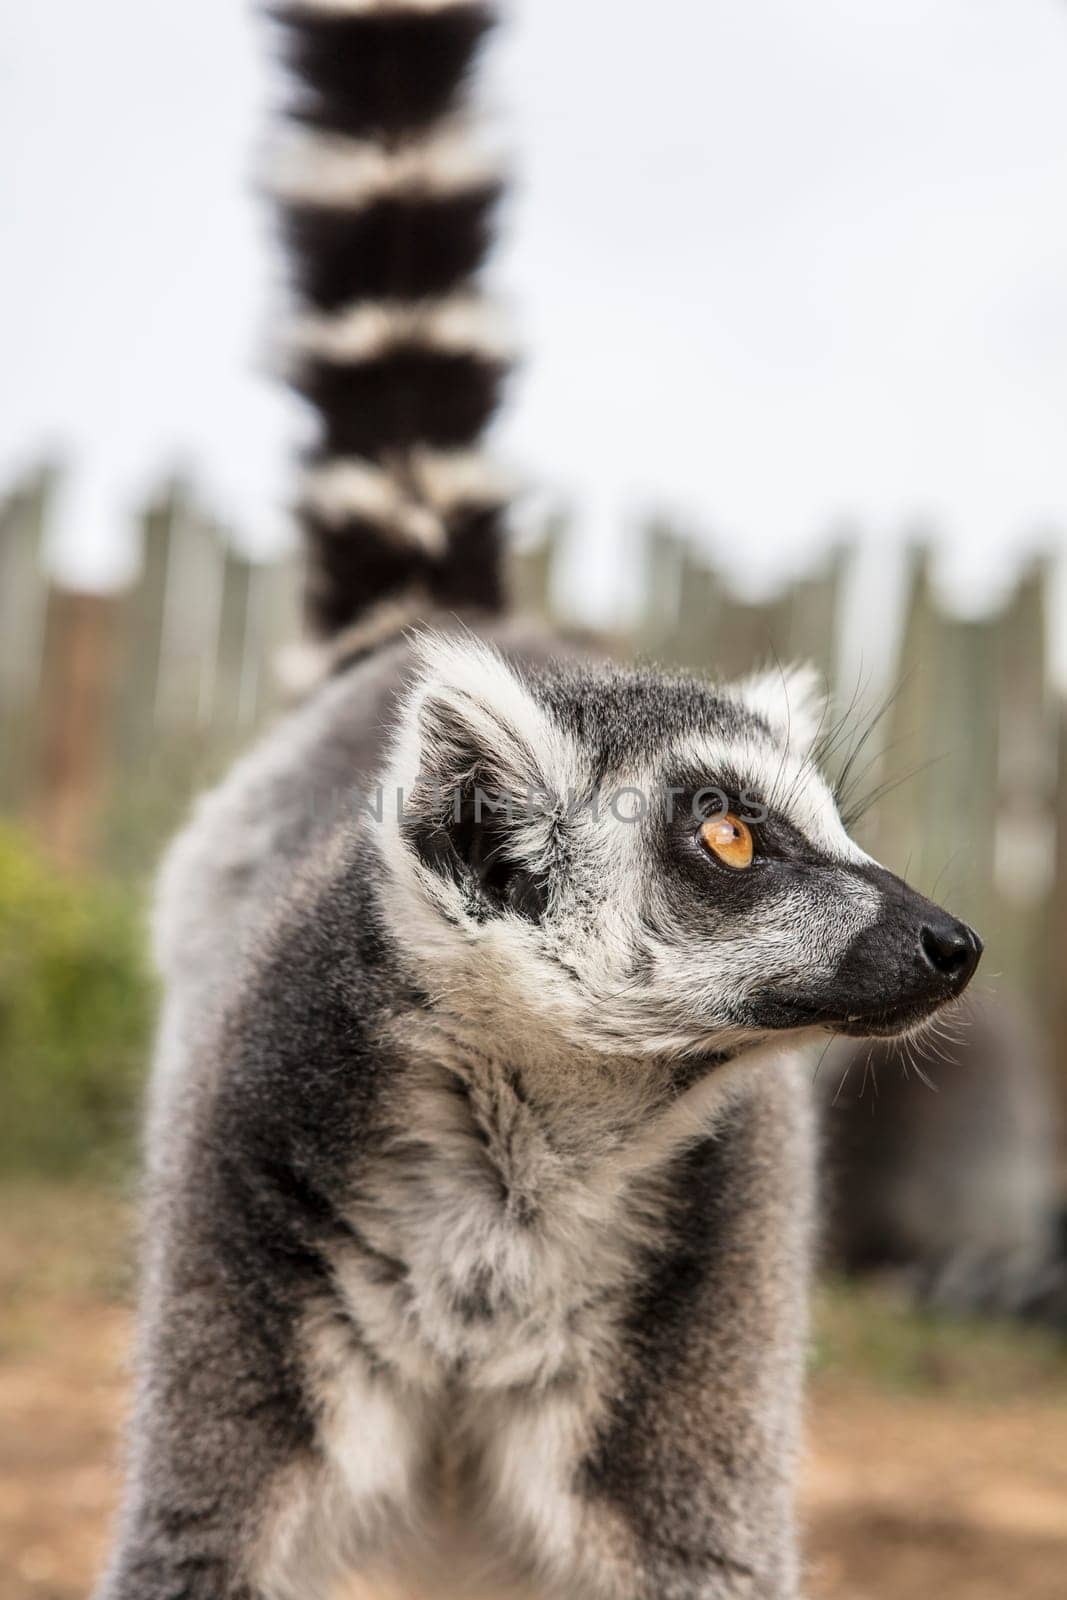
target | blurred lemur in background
x=479, y=1167
x=955, y=1194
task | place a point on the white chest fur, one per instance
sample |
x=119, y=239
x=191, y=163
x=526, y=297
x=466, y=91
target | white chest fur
x=496, y=1233
x=496, y=1237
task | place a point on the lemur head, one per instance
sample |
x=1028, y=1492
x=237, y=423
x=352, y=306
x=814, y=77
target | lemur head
x=644, y=863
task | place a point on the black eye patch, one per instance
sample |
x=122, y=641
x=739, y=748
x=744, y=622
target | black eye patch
x=691, y=797
x=695, y=887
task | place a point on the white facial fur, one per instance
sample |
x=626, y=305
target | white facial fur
x=624, y=959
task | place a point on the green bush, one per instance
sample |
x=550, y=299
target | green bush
x=75, y=1016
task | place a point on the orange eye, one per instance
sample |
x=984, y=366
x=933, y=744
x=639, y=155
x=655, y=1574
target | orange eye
x=727, y=837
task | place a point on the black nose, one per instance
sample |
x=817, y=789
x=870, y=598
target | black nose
x=951, y=948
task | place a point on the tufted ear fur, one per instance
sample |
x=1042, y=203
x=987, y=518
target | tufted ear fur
x=490, y=773
x=792, y=700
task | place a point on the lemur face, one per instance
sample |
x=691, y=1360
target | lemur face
x=647, y=864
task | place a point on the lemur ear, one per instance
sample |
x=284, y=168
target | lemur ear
x=792, y=700
x=470, y=704
x=489, y=768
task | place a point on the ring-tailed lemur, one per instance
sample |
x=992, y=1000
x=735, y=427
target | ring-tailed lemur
x=479, y=1174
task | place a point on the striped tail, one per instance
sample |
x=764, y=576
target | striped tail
x=387, y=207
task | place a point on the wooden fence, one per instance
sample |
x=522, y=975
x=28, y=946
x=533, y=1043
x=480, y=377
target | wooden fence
x=115, y=708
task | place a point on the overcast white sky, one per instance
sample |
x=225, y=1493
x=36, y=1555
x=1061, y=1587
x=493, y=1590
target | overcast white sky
x=775, y=262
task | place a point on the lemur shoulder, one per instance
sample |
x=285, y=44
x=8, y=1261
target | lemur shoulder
x=479, y=1169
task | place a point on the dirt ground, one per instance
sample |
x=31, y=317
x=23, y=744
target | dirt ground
x=937, y=1462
